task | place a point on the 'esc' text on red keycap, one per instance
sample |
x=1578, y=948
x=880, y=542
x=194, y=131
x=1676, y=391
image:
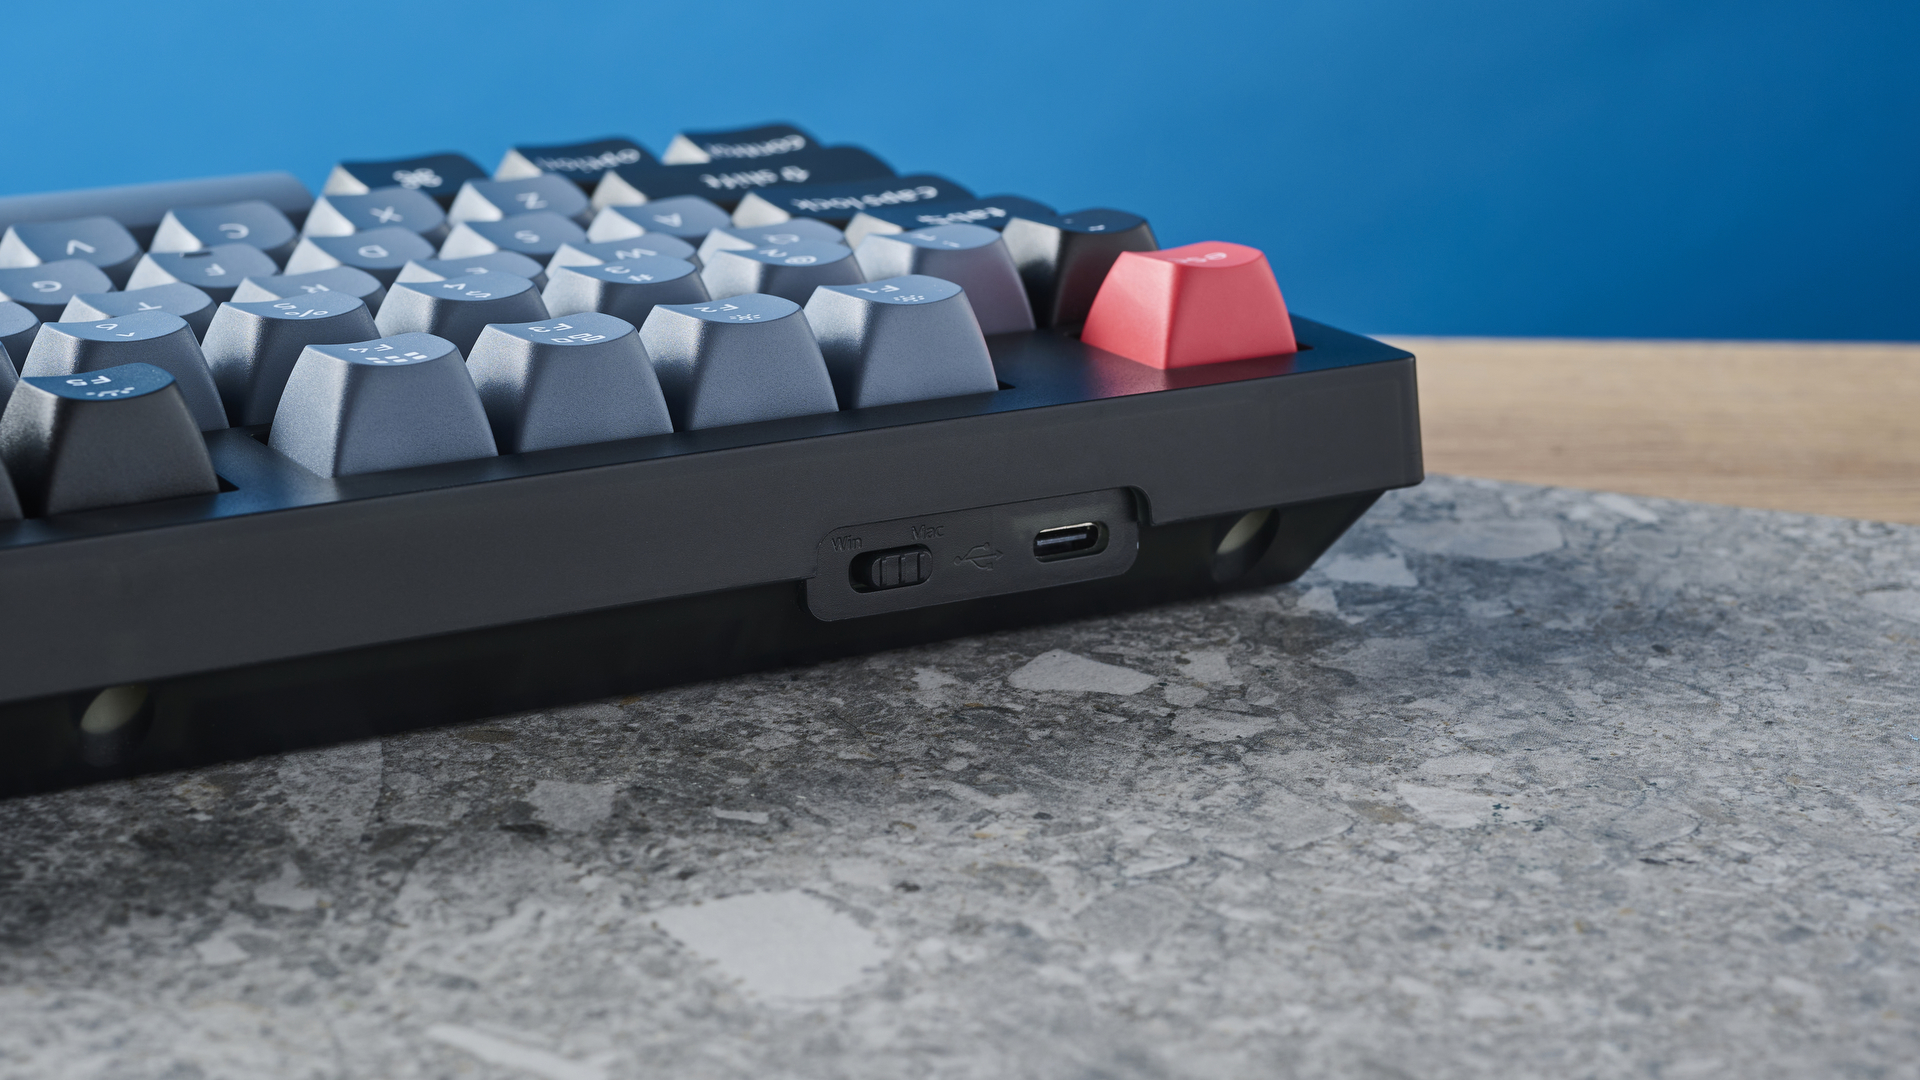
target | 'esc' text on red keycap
x=1199, y=304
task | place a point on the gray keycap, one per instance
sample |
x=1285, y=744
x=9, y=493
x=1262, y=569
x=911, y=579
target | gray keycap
x=252, y=345
x=379, y=252
x=537, y=236
x=99, y=240
x=200, y=228
x=626, y=289
x=652, y=246
x=392, y=403
x=565, y=382
x=459, y=308
x=736, y=238
x=216, y=271
x=900, y=339
x=792, y=271
x=491, y=200
x=44, y=290
x=385, y=208
x=736, y=361
x=498, y=262
x=688, y=217
x=111, y=437
x=17, y=329
x=141, y=337
x=338, y=279
x=174, y=298
x=971, y=256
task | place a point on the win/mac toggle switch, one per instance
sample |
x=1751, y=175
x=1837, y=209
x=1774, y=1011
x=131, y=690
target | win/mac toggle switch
x=892, y=569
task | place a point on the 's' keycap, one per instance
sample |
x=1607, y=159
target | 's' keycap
x=174, y=298
x=971, y=256
x=459, y=308
x=498, y=262
x=992, y=211
x=143, y=337
x=761, y=143
x=17, y=329
x=338, y=279
x=727, y=182
x=902, y=339
x=836, y=203
x=393, y=403
x=438, y=175
x=537, y=236
x=653, y=246
x=45, y=290
x=379, y=252
x=736, y=238
x=685, y=217
x=106, y=438
x=101, y=241
x=1203, y=303
x=792, y=271
x=566, y=382
x=200, y=228
x=252, y=346
x=736, y=361
x=491, y=200
x=216, y=271
x=581, y=162
x=385, y=208
x=628, y=290
x=1063, y=260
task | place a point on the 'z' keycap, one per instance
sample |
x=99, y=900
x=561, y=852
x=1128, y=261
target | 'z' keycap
x=216, y=271
x=437, y=175
x=902, y=339
x=44, y=290
x=384, y=208
x=253, y=223
x=736, y=361
x=971, y=256
x=992, y=211
x=339, y=279
x=582, y=162
x=792, y=271
x=629, y=290
x=144, y=337
x=836, y=203
x=457, y=309
x=106, y=438
x=767, y=142
x=101, y=241
x=565, y=382
x=393, y=403
x=537, y=236
x=491, y=200
x=1064, y=259
x=252, y=346
x=378, y=252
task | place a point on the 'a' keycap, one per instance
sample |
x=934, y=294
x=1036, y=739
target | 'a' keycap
x=764, y=142
x=992, y=211
x=627, y=289
x=971, y=256
x=110, y=437
x=736, y=361
x=581, y=162
x=901, y=339
x=491, y=200
x=338, y=279
x=566, y=382
x=201, y=228
x=651, y=246
x=437, y=175
x=17, y=329
x=383, y=208
x=727, y=182
x=537, y=236
x=1204, y=303
x=44, y=290
x=836, y=203
x=174, y=298
x=498, y=262
x=457, y=309
x=393, y=403
x=143, y=337
x=737, y=238
x=684, y=217
x=216, y=271
x=1064, y=259
x=252, y=346
x=101, y=241
x=379, y=252
x=792, y=271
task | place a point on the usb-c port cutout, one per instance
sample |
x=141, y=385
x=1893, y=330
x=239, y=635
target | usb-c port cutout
x=1070, y=541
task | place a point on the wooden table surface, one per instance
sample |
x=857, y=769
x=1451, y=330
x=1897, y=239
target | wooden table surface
x=1819, y=428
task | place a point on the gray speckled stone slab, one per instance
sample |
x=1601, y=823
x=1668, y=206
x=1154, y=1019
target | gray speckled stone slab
x=1516, y=783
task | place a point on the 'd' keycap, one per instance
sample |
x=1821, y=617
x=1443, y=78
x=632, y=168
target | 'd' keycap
x=383, y=208
x=459, y=308
x=252, y=346
x=378, y=252
x=1203, y=303
x=337, y=279
x=651, y=246
x=736, y=361
x=759, y=143
x=581, y=162
x=836, y=203
x=392, y=403
x=1064, y=259
x=971, y=256
x=437, y=175
x=537, y=236
x=142, y=337
x=44, y=290
x=684, y=217
x=201, y=228
x=738, y=238
x=498, y=262
x=992, y=211
x=101, y=241
x=792, y=271
x=216, y=271
x=566, y=382
x=727, y=182
x=629, y=290
x=902, y=339
x=491, y=200
x=174, y=298
x=105, y=438
x=17, y=329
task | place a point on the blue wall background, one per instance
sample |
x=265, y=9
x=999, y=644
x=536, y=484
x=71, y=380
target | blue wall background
x=1744, y=169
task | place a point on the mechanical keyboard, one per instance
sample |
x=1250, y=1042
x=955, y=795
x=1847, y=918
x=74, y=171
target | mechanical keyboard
x=442, y=443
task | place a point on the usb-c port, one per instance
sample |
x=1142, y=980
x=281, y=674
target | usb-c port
x=1068, y=541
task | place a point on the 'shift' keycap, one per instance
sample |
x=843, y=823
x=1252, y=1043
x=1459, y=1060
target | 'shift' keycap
x=393, y=403
x=143, y=337
x=901, y=339
x=111, y=437
x=971, y=256
x=101, y=241
x=216, y=271
x=629, y=290
x=792, y=271
x=44, y=290
x=762, y=142
x=736, y=361
x=457, y=309
x=436, y=175
x=174, y=298
x=201, y=228
x=582, y=162
x=252, y=346
x=378, y=252
x=566, y=382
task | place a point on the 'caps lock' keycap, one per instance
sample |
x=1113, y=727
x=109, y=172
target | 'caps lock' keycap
x=566, y=382
x=1203, y=303
x=761, y=143
x=215, y=271
x=459, y=308
x=254, y=223
x=901, y=339
x=145, y=337
x=393, y=403
x=1063, y=260
x=738, y=238
x=651, y=246
x=581, y=162
x=971, y=256
x=497, y=262
x=382, y=208
x=252, y=346
x=792, y=271
x=436, y=175
x=174, y=298
x=101, y=241
x=378, y=252
x=338, y=279
x=684, y=217
x=736, y=361
x=104, y=438
x=629, y=290
x=491, y=200
x=537, y=236
x=44, y=290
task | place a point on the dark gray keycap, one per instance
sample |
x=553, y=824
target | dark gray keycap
x=99, y=240
x=459, y=308
x=971, y=256
x=379, y=252
x=992, y=211
x=836, y=203
x=252, y=345
x=491, y=200
x=901, y=339
x=383, y=208
x=174, y=298
x=17, y=329
x=736, y=361
x=792, y=271
x=200, y=228
x=338, y=279
x=392, y=403
x=9, y=374
x=727, y=182
x=44, y=290
x=565, y=382
x=437, y=175
x=762, y=142
x=1063, y=260
x=498, y=262
x=628, y=290
x=140, y=337
x=106, y=438
x=537, y=236
x=216, y=271
x=736, y=238
x=651, y=246
x=141, y=206
x=9, y=502
x=687, y=217
x=581, y=162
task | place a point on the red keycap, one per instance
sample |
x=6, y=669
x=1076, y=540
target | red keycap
x=1199, y=304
